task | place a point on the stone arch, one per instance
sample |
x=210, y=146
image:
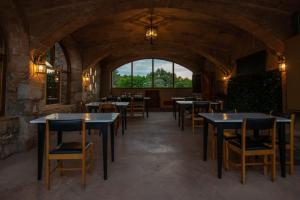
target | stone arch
x=228, y=14
x=105, y=52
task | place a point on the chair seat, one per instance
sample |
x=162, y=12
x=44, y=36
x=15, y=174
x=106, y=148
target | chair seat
x=250, y=144
x=228, y=135
x=69, y=148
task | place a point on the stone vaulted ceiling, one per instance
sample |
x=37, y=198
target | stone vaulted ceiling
x=188, y=29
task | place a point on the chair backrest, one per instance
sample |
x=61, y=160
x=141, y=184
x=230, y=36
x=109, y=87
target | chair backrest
x=83, y=107
x=138, y=99
x=65, y=125
x=124, y=98
x=60, y=126
x=288, y=116
x=111, y=98
x=201, y=106
x=107, y=107
x=230, y=110
x=259, y=124
x=190, y=98
x=217, y=107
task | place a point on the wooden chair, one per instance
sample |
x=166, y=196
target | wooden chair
x=128, y=99
x=247, y=146
x=83, y=107
x=138, y=105
x=227, y=135
x=198, y=107
x=290, y=144
x=107, y=107
x=110, y=108
x=111, y=98
x=217, y=107
x=68, y=150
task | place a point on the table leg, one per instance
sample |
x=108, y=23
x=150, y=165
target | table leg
x=205, y=139
x=123, y=116
x=125, y=111
x=173, y=103
x=219, y=149
x=147, y=109
x=178, y=106
x=104, y=133
x=182, y=117
x=175, y=109
x=41, y=145
x=112, y=141
x=281, y=137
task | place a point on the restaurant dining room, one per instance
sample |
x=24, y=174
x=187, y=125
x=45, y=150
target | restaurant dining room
x=149, y=99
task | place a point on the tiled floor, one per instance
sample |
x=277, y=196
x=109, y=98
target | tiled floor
x=154, y=160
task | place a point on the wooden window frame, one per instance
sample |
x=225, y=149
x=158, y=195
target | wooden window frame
x=68, y=72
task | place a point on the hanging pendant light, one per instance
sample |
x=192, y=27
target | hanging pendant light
x=151, y=31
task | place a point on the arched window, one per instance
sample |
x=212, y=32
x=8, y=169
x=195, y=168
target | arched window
x=151, y=73
x=58, y=75
x=2, y=75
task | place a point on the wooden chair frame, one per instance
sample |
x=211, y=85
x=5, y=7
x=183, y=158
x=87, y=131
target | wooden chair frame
x=69, y=156
x=138, y=106
x=243, y=152
x=198, y=119
x=109, y=107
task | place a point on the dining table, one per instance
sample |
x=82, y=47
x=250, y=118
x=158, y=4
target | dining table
x=104, y=122
x=223, y=121
x=146, y=100
x=183, y=105
x=121, y=107
x=174, y=99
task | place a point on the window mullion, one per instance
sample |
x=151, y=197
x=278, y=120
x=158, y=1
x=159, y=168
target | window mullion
x=131, y=84
x=152, y=73
x=173, y=74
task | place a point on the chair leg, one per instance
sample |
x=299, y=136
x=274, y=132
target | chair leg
x=83, y=170
x=47, y=173
x=91, y=169
x=213, y=147
x=61, y=167
x=292, y=170
x=243, y=169
x=226, y=155
x=265, y=165
x=193, y=126
x=274, y=166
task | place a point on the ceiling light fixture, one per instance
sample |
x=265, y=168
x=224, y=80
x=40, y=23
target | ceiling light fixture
x=151, y=30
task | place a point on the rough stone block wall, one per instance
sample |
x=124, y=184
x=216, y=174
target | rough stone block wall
x=9, y=133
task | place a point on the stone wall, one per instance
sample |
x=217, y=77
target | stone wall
x=25, y=91
x=9, y=133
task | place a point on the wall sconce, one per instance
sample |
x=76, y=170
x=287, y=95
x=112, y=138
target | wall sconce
x=226, y=77
x=57, y=77
x=39, y=64
x=86, y=77
x=89, y=79
x=281, y=63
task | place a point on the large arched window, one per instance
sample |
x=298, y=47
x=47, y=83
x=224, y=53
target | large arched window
x=151, y=73
x=58, y=75
x=2, y=75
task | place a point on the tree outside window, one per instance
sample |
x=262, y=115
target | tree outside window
x=151, y=73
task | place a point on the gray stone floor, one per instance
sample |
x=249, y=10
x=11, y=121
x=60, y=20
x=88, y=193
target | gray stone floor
x=154, y=160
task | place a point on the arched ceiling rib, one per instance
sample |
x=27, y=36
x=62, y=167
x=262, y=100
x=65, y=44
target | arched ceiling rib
x=261, y=18
x=215, y=29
